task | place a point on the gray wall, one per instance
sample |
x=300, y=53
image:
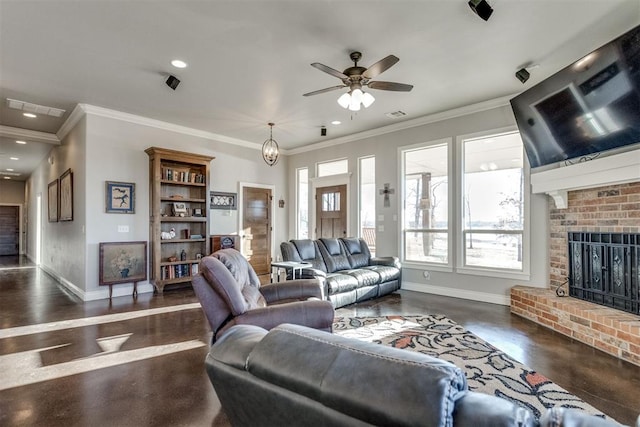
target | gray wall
x=100, y=149
x=385, y=148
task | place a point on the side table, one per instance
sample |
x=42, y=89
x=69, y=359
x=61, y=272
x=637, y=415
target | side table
x=287, y=266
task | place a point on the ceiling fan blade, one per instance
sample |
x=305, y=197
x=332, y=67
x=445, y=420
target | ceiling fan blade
x=380, y=66
x=328, y=89
x=397, y=87
x=329, y=70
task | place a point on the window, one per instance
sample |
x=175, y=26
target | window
x=426, y=204
x=334, y=167
x=331, y=202
x=302, y=215
x=493, y=202
x=367, y=219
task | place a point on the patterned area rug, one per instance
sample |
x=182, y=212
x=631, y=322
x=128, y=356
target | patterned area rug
x=488, y=369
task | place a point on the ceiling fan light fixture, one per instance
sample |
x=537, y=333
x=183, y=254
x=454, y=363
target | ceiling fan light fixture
x=353, y=105
x=344, y=100
x=270, y=149
x=367, y=99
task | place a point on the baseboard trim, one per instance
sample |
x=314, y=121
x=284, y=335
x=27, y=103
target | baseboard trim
x=457, y=293
x=119, y=290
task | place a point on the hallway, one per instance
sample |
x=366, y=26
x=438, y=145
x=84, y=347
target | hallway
x=140, y=362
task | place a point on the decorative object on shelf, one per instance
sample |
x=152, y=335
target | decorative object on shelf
x=120, y=197
x=172, y=258
x=198, y=256
x=183, y=255
x=66, y=196
x=221, y=241
x=196, y=236
x=220, y=200
x=179, y=209
x=123, y=262
x=281, y=202
x=197, y=212
x=53, y=200
x=386, y=191
x=186, y=233
x=177, y=197
x=270, y=149
x=168, y=235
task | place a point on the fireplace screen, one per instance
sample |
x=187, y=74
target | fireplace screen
x=604, y=268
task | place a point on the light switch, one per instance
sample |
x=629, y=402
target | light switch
x=381, y=228
x=380, y=218
x=123, y=229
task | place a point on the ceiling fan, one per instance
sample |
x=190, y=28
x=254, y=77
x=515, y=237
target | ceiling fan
x=356, y=77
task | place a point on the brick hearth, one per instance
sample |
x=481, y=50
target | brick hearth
x=615, y=209
x=612, y=331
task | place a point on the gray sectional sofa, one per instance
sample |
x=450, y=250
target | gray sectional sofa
x=298, y=376
x=348, y=271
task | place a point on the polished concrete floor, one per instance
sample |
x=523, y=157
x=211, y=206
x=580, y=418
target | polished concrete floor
x=140, y=362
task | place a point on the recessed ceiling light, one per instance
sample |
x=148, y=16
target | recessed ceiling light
x=21, y=142
x=9, y=170
x=178, y=63
x=336, y=122
x=14, y=158
x=30, y=115
x=7, y=177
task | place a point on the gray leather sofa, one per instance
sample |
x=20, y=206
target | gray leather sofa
x=298, y=376
x=349, y=273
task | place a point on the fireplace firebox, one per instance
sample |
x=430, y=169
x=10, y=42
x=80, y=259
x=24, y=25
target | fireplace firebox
x=604, y=268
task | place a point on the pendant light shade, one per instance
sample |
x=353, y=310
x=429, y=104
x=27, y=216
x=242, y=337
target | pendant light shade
x=270, y=149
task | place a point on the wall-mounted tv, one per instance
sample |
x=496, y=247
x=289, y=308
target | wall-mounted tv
x=593, y=105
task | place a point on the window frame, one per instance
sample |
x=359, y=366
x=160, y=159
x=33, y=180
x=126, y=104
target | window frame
x=460, y=266
x=298, y=204
x=433, y=266
x=375, y=214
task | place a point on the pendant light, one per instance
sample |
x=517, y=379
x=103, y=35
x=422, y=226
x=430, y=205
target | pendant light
x=270, y=149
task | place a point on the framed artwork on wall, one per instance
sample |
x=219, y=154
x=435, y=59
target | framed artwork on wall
x=66, y=196
x=120, y=197
x=220, y=200
x=122, y=262
x=52, y=201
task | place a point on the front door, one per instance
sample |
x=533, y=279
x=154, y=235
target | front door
x=9, y=230
x=256, y=230
x=331, y=211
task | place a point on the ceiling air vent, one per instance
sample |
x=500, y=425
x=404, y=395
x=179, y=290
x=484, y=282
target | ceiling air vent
x=34, y=108
x=396, y=114
x=9, y=173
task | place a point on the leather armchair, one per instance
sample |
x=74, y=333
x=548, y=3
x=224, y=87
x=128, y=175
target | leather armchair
x=230, y=294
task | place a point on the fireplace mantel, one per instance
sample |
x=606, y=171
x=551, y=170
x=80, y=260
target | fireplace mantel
x=611, y=170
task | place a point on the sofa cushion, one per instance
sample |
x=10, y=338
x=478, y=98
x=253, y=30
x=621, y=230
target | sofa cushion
x=308, y=252
x=370, y=382
x=364, y=276
x=245, y=278
x=334, y=255
x=386, y=273
x=338, y=282
x=357, y=252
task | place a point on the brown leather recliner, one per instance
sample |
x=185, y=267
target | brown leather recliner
x=230, y=294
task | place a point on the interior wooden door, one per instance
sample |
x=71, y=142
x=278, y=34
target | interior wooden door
x=331, y=211
x=256, y=230
x=9, y=230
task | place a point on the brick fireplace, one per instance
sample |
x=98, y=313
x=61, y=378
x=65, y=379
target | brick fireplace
x=608, y=209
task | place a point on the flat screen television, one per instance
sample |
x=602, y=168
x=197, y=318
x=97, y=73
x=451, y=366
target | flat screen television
x=593, y=105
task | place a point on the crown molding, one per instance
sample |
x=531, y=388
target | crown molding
x=29, y=135
x=82, y=109
x=407, y=124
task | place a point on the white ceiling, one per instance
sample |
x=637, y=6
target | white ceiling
x=249, y=61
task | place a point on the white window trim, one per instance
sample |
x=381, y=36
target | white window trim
x=525, y=273
x=342, y=159
x=297, y=190
x=359, y=184
x=448, y=267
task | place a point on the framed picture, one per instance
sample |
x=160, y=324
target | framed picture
x=220, y=200
x=197, y=212
x=120, y=197
x=53, y=200
x=179, y=209
x=122, y=262
x=66, y=196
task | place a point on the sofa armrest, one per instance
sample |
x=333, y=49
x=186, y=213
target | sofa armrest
x=483, y=410
x=235, y=346
x=391, y=261
x=312, y=314
x=309, y=273
x=299, y=289
x=563, y=417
